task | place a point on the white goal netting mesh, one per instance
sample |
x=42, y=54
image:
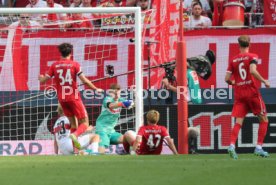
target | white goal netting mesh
x=28, y=46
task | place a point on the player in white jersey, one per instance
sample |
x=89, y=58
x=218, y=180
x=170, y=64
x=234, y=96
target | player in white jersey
x=63, y=144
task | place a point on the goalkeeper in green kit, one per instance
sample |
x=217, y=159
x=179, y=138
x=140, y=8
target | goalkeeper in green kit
x=108, y=119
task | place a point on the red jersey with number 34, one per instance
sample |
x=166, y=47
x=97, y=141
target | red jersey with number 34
x=239, y=66
x=65, y=74
x=152, y=139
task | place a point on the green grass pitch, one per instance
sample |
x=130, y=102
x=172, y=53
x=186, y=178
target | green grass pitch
x=203, y=169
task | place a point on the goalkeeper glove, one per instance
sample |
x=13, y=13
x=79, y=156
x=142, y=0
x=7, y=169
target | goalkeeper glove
x=127, y=104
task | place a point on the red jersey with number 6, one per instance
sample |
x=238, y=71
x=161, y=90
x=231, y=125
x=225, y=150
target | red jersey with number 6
x=152, y=139
x=239, y=66
x=65, y=74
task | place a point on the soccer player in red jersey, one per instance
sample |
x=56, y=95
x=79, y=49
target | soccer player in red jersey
x=65, y=72
x=149, y=140
x=243, y=68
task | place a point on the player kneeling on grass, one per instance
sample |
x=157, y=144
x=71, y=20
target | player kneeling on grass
x=149, y=140
x=63, y=144
x=108, y=119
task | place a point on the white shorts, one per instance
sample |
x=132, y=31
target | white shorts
x=65, y=145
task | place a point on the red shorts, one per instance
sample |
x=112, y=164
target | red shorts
x=74, y=108
x=243, y=106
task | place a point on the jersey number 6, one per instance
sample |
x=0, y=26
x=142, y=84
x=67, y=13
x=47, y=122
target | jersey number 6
x=242, y=71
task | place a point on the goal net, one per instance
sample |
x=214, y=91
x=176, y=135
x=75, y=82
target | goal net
x=28, y=46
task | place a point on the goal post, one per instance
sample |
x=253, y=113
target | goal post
x=25, y=55
x=182, y=105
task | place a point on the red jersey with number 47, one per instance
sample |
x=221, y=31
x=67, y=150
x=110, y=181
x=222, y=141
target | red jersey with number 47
x=65, y=74
x=152, y=139
x=239, y=66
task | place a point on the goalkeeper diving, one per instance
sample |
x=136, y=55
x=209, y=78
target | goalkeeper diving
x=108, y=119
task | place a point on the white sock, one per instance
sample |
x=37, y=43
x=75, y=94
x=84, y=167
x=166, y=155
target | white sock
x=95, y=147
x=131, y=151
x=259, y=147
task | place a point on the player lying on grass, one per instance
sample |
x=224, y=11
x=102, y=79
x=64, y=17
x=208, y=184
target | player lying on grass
x=243, y=68
x=108, y=119
x=63, y=144
x=149, y=140
x=65, y=72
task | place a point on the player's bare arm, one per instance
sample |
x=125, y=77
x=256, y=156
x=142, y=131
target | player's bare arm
x=43, y=78
x=167, y=84
x=90, y=128
x=256, y=74
x=137, y=142
x=171, y=145
x=89, y=83
x=227, y=78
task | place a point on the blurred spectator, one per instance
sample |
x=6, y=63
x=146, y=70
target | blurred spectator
x=131, y=2
x=64, y=3
x=21, y=3
x=36, y=4
x=55, y=17
x=25, y=23
x=80, y=21
x=96, y=3
x=6, y=19
x=252, y=8
x=76, y=3
x=144, y=4
x=119, y=3
x=86, y=4
x=196, y=20
x=206, y=10
x=6, y=3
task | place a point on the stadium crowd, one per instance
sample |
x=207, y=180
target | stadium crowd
x=197, y=13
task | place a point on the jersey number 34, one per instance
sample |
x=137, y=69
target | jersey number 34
x=65, y=78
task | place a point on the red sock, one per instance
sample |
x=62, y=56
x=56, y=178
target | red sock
x=126, y=146
x=262, y=132
x=235, y=133
x=81, y=129
x=72, y=130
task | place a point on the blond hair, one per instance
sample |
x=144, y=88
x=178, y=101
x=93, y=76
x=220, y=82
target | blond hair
x=153, y=116
x=115, y=86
